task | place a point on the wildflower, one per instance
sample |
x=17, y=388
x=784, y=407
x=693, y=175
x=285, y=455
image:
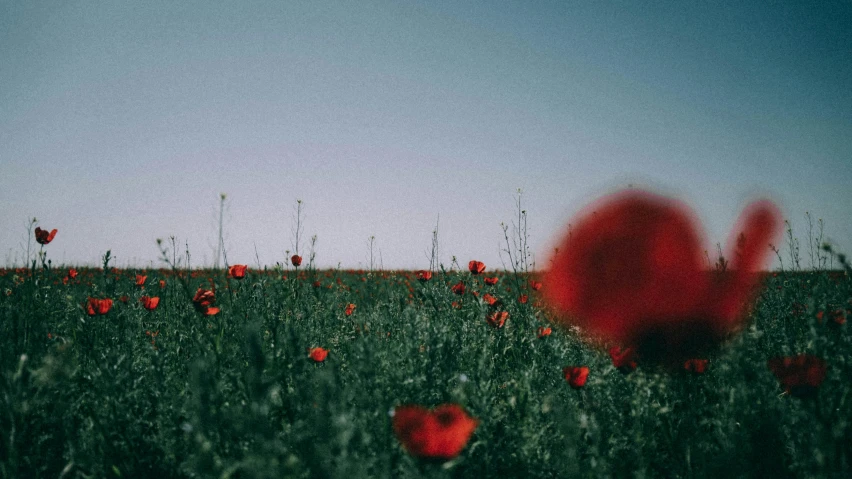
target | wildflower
x=149, y=303
x=535, y=285
x=576, y=375
x=476, y=267
x=458, y=288
x=350, y=308
x=318, y=354
x=523, y=299
x=544, y=331
x=488, y=298
x=623, y=359
x=124, y=298
x=439, y=434
x=162, y=284
x=497, y=318
x=98, y=306
x=631, y=272
x=203, y=300
x=296, y=260
x=140, y=279
x=490, y=281
x=237, y=271
x=800, y=375
x=72, y=273
x=424, y=276
x=697, y=366
x=43, y=237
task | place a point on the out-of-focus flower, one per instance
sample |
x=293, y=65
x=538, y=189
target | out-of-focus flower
x=697, y=366
x=490, y=281
x=203, y=301
x=488, y=298
x=149, y=303
x=318, y=354
x=296, y=260
x=476, y=267
x=140, y=279
x=497, y=319
x=43, y=236
x=439, y=434
x=535, y=285
x=544, y=331
x=350, y=308
x=523, y=299
x=162, y=284
x=632, y=272
x=98, y=307
x=424, y=275
x=72, y=273
x=800, y=375
x=237, y=271
x=576, y=375
x=623, y=359
x=459, y=288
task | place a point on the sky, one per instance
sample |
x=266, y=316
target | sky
x=122, y=122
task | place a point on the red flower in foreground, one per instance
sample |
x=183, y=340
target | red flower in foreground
x=623, y=359
x=149, y=303
x=576, y=375
x=497, y=318
x=544, y=331
x=140, y=279
x=318, y=354
x=459, y=288
x=296, y=260
x=237, y=271
x=350, y=308
x=438, y=434
x=490, y=281
x=632, y=272
x=800, y=375
x=98, y=306
x=424, y=275
x=203, y=300
x=697, y=366
x=476, y=267
x=43, y=236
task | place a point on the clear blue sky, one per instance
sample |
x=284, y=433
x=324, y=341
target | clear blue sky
x=122, y=122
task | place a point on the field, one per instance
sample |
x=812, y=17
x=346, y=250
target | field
x=177, y=391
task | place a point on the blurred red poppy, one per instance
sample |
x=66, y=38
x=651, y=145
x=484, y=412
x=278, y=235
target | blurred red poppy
x=424, y=275
x=318, y=354
x=523, y=299
x=458, y=288
x=488, y=298
x=535, y=285
x=490, y=281
x=98, y=306
x=350, y=308
x=497, y=318
x=440, y=434
x=697, y=366
x=203, y=300
x=544, y=331
x=140, y=280
x=623, y=359
x=149, y=303
x=237, y=271
x=476, y=267
x=162, y=284
x=43, y=236
x=576, y=375
x=800, y=375
x=632, y=272
x=72, y=273
x=296, y=260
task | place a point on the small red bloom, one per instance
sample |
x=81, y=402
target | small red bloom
x=488, y=298
x=124, y=298
x=490, y=281
x=98, y=306
x=624, y=360
x=438, y=434
x=424, y=275
x=535, y=285
x=43, y=237
x=237, y=271
x=523, y=299
x=72, y=273
x=162, y=284
x=697, y=366
x=203, y=300
x=544, y=331
x=476, y=267
x=576, y=375
x=497, y=318
x=632, y=272
x=296, y=260
x=459, y=288
x=318, y=354
x=800, y=375
x=350, y=308
x=150, y=303
x=140, y=280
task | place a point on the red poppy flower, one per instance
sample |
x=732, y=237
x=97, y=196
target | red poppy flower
x=697, y=366
x=544, y=331
x=576, y=375
x=800, y=375
x=98, y=306
x=296, y=260
x=439, y=434
x=318, y=354
x=140, y=280
x=523, y=299
x=476, y=267
x=497, y=318
x=632, y=272
x=203, y=300
x=124, y=298
x=624, y=360
x=535, y=285
x=350, y=308
x=72, y=273
x=149, y=303
x=488, y=298
x=424, y=276
x=43, y=237
x=490, y=281
x=162, y=284
x=458, y=288
x=237, y=271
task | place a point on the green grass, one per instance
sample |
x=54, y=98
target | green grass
x=236, y=395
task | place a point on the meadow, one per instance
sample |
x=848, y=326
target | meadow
x=222, y=378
